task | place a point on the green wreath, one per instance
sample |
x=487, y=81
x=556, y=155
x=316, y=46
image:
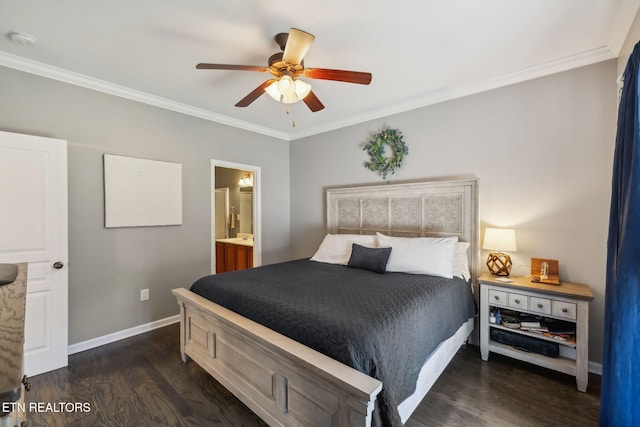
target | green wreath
x=375, y=148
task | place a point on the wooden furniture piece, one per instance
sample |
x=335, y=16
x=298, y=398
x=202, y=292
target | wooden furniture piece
x=233, y=256
x=566, y=301
x=13, y=292
x=286, y=383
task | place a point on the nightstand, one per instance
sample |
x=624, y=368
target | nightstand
x=568, y=302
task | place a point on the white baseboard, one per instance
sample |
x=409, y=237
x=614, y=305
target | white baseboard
x=120, y=335
x=595, y=368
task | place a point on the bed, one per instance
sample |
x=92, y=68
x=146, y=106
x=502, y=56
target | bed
x=301, y=381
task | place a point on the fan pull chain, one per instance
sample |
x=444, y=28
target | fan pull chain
x=293, y=122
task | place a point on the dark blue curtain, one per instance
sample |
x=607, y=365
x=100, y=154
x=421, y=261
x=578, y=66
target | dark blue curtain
x=620, y=399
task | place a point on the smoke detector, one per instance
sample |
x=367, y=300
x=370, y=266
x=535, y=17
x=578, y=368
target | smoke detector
x=22, y=38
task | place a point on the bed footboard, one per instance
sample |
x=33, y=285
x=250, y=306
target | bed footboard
x=284, y=382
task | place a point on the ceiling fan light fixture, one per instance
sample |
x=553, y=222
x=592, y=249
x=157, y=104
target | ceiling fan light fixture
x=288, y=92
x=286, y=86
x=302, y=89
x=289, y=98
x=272, y=91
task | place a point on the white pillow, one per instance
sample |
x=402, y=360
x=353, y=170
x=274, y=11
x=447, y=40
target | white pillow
x=420, y=255
x=461, y=261
x=336, y=248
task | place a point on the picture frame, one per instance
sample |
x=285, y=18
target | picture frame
x=540, y=266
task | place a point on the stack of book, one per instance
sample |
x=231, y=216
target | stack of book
x=531, y=323
x=551, y=328
x=562, y=330
x=560, y=326
x=533, y=326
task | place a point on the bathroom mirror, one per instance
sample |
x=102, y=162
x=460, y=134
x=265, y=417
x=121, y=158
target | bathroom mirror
x=246, y=209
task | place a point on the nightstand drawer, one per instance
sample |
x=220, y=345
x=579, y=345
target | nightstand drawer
x=540, y=305
x=498, y=297
x=564, y=309
x=518, y=301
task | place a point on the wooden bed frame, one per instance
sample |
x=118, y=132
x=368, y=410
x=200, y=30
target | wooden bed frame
x=288, y=384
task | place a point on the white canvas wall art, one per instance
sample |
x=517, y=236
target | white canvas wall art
x=141, y=192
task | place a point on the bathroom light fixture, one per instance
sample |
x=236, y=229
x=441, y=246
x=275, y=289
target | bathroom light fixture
x=499, y=239
x=245, y=181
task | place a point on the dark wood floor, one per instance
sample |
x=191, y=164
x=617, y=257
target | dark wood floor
x=141, y=381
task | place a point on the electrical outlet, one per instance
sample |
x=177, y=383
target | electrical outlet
x=144, y=294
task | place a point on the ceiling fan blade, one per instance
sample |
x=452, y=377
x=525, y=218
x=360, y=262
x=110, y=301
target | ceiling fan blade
x=298, y=44
x=338, y=75
x=313, y=102
x=231, y=67
x=254, y=94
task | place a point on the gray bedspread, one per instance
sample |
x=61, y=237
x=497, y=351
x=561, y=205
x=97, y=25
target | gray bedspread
x=384, y=325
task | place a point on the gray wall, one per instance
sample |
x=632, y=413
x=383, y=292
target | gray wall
x=108, y=267
x=542, y=151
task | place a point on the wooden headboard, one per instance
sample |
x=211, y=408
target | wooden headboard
x=418, y=209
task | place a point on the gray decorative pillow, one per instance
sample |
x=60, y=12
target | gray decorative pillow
x=372, y=259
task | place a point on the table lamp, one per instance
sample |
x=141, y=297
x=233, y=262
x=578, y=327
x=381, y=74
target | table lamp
x=499, y=239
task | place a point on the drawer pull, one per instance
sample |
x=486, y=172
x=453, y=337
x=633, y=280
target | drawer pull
x=539, y=305
x=564, y=310
x=517, y=301
x=497, y=297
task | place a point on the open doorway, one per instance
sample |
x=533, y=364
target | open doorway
x=235, y=221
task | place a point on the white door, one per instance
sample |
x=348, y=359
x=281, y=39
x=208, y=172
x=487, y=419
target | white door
x=33, y=229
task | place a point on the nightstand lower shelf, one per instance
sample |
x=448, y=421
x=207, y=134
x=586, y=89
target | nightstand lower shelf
x=560, y=364
x=569, y=344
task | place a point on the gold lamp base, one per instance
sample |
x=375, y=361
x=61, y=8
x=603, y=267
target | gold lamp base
x=499, y=264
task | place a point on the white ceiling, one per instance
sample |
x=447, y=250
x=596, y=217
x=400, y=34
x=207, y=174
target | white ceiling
x=419, y=51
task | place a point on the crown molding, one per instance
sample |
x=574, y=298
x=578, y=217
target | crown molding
x=564, y=64
x=66, y=76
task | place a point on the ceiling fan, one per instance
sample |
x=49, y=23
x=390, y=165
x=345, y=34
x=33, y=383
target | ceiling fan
x=286, y=67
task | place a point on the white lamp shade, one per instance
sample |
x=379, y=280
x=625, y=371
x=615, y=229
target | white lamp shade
x=286, y=86
x=289, y=98
x=287, y=90
x=500, y=239
x=302, y=89
x=272, y=91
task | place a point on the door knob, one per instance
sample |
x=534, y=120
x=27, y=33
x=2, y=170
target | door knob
x=58, y=265
x=27, y=384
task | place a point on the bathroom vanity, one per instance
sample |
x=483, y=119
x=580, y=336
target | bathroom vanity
x=234, y=254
